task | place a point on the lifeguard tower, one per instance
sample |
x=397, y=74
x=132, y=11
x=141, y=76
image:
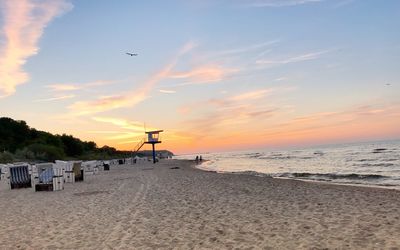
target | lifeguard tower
x=152, y=137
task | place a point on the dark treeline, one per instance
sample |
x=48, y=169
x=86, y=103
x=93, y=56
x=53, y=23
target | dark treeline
x=19, y=142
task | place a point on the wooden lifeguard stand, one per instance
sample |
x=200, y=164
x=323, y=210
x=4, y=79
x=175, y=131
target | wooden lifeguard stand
x=153, y=137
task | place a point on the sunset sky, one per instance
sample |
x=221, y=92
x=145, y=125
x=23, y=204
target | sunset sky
x=216, y=75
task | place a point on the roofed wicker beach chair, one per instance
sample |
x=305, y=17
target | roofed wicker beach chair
x=14, y=176
x=48, y=177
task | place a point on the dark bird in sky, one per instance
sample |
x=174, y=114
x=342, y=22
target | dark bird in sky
x=131, y=54
x=387, y=84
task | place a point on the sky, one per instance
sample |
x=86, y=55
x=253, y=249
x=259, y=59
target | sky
x=215, y=75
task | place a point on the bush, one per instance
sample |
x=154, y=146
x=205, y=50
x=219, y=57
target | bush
x=24, y=154
x=46, y=152
x=6, y=157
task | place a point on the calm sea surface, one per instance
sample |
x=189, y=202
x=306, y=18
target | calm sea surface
x=376, y=163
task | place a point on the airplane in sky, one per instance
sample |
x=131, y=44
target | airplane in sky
x=132, y=54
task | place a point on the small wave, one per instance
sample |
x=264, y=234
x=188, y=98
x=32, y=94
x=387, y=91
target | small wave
x=363, y=160
x=375, y=165
x=253, y=173
x=386, y=185
x=286, y=157
x=248, y=155
x=254, y=155
x=277, y=157
x=379, y=150
x=331, y=176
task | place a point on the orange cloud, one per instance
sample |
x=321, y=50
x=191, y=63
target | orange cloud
x=107, y=103
x=57, y=98
x=63, y=87
x=123, y=123
x=253, y=95
x=202, y=74
x=165, y=91
x=227, y=104
x=124, y=134
x=23, y=25
x=131, y=98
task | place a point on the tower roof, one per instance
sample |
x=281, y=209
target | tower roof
x=154, y=132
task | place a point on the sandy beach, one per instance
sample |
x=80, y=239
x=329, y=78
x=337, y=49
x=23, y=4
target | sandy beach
x=172, y=205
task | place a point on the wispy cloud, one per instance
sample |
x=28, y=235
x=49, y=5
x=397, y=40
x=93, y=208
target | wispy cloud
x=201, y=75
x=57, y=98
x=252, y=95
x=294, y=59
x=229, y=119
x=217, y=66
x=63, y=87
x=167, y=91
x=123, y=130
x=283, y=78
x=263, y=53
x=105, y=103
x=277, y=3
x=23, y=25
x=249, y=48
x=230, y=112
x=132, y=97
x=123, y=136
x=122, y=123
x=251, y=101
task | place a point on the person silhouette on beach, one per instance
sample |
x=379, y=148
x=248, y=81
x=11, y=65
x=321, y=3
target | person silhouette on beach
x=197, y=158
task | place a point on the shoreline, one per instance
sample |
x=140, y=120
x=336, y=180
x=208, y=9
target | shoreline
x=173, y=204
x=260, y=174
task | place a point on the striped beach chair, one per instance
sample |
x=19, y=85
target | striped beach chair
x=19, y=176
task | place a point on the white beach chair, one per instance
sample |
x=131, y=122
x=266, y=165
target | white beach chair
x=89, y=169
x=4, y=177
x=68, y=173
x=14, y=176
x=48, y=177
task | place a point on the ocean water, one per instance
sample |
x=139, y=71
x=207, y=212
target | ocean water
x=375, y=163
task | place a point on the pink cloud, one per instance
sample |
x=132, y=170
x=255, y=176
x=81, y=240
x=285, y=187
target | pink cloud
x=132, y=97
x=23, y=25
x=202, y=74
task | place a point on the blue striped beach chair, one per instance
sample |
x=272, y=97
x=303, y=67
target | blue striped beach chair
x=20, y=176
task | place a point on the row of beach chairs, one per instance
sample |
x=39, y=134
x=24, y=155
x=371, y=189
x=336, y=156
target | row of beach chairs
x=52, y=176
x=48, y=176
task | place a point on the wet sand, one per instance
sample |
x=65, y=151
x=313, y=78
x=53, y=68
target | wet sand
x=153, y=206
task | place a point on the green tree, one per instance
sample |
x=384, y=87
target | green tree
x=72, y=146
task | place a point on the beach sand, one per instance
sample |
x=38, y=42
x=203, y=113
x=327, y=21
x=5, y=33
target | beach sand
x=153, y=206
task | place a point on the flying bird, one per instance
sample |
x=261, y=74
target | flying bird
x=131, y=54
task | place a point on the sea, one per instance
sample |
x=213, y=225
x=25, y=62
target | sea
x=369, y=163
